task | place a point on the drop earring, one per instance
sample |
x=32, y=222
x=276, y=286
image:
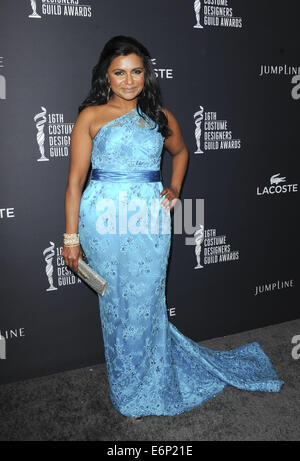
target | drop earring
x=108, y=93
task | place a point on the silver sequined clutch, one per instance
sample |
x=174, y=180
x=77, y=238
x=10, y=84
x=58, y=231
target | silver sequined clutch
x=89, y=276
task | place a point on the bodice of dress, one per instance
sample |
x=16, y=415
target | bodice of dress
x=127, y=143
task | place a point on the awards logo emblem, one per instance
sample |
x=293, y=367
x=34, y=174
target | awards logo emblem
x=198, y=116
x=49, y=253
x=197, y=8
x=40, y=136
x=199, y=237
x=34, y=13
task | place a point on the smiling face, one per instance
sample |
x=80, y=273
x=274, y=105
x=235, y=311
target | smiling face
x=126, y=76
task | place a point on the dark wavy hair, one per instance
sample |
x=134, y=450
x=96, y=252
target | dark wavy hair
x=149, y=100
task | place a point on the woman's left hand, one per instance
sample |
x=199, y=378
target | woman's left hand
x=171, y=197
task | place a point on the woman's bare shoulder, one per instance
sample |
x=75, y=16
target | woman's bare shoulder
x=98, y=114
x=90, y=112
x=95, y=117
x=92, y=117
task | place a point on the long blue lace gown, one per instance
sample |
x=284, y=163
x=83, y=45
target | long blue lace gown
x=153, y=369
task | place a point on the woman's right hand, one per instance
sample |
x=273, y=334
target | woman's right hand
x=71, y=255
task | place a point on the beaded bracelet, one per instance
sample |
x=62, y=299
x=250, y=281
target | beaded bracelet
x=71, y=239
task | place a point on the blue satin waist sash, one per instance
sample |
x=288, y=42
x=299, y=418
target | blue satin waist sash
x=126, y=176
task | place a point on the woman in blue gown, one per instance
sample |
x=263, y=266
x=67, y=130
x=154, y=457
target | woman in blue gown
x=124, y=225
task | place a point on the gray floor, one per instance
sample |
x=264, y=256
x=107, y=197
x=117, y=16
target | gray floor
x=75, y=405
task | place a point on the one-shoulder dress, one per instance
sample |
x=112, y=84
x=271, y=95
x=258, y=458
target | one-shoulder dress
x=125, y=233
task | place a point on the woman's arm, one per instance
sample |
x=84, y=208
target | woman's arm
x=177, y=148
x=80, y=158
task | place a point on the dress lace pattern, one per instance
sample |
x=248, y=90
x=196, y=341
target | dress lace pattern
x=153, y=369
